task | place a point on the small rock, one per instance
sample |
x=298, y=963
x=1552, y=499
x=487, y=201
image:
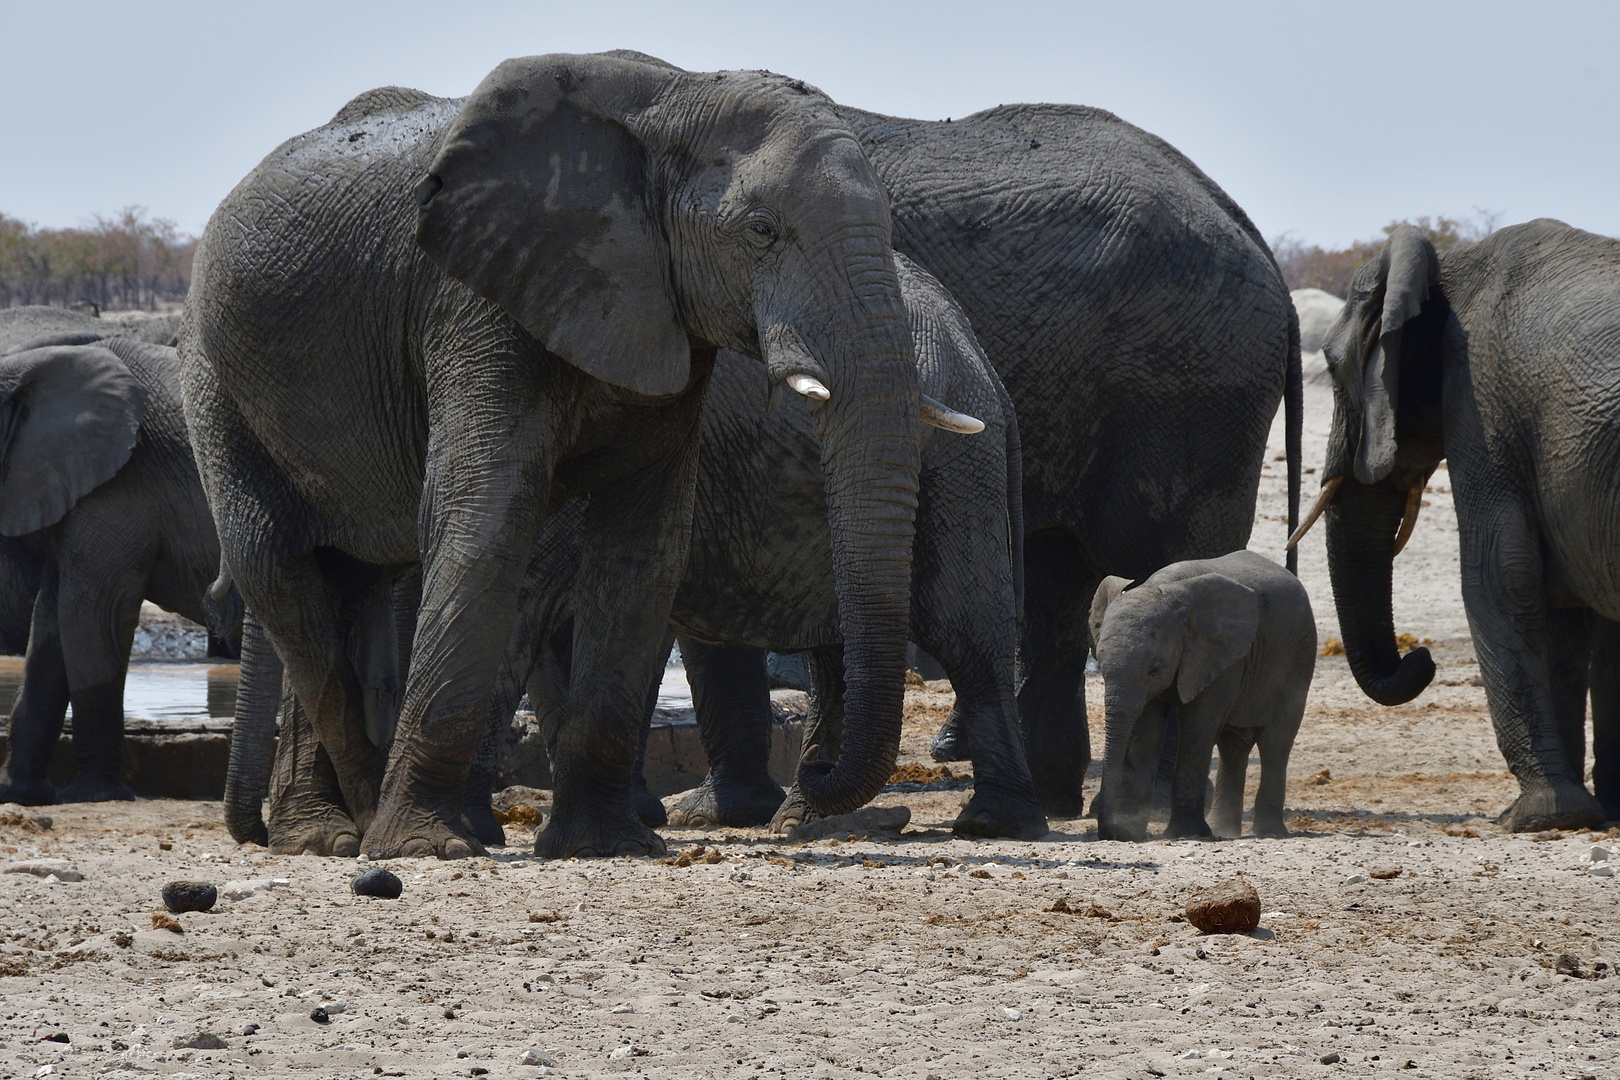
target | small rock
x=1154, y=1071
x=203, y=1040
x=45, y=1070
x=251, y=1029
x=56, y=1037
x=870, y=819
x=1356, y=879
x=477, y=1070
x=1012, y=1014
x=1597, y=853
x=1568, y=964
x=181, y=896
x=536, y=1056
x=162, y=920
x=319, y=1015
x=1189, y=1055
x=379, y=883
x=1384, y=873
x=1330, y=1059
x=1601, y=869
x=1232, y=907
x=62, y=868
x=622, y=1052
x=333, y=1008
x=623, y=1009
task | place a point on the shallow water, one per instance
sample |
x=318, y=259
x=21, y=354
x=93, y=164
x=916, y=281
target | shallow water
x=188, y=692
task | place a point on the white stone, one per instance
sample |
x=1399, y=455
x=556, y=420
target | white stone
x=61, y=868
x=623, y=1008
x=1356, y=879
x=1601, y=869
x=536, y=1056
x=1012, y=1014
x=1190, y=1055
x=1597, y=853
x=623, y=1052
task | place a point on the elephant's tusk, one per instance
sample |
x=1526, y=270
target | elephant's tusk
x=949, y=419
x=1323, y=497
x=809, y=386
x=1414, y=502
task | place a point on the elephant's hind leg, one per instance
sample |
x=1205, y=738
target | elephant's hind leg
x=732, y=698
x=307, y=814
x=1233, y=745
x=1052, y=700
x=1605, y=682
x=98, y=619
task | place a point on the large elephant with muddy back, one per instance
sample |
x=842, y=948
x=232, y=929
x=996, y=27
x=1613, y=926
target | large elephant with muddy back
x=415, y=331
x=1145, y=337
x=1501, y=358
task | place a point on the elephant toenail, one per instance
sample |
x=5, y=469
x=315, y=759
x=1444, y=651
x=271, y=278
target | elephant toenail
x=416, y=849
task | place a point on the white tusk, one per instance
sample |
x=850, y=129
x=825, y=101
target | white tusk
x=809, y=386
x=1323, y=497
x=949, y=419
x=1414, y=502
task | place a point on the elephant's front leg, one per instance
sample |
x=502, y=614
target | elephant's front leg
x=731, y=695
x=42, y=701
x=488, y=474
x=1527, y=661
x=1200, y=723
x=635, y=538
x=823, y=730
x=97, y=617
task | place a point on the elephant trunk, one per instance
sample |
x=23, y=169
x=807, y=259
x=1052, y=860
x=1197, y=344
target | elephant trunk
x=1362, y=523
x=869, y=432
x=253, y=735
x=1121, y=810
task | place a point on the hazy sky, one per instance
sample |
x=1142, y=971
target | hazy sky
x=1327, y=120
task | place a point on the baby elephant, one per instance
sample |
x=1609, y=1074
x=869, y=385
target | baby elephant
x=1229, y=644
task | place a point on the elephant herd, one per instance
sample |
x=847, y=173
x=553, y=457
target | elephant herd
x=487, y=396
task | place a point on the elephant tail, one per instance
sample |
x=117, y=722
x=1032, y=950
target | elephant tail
x=1293, y=426
x=1015, y=500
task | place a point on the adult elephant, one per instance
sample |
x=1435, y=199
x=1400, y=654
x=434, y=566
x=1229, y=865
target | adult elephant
x=761, y=577
x=1145, y=336
x=100, y=509
x=415, y=330
x=1501, y=358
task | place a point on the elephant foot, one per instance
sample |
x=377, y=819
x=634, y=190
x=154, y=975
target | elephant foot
x=1269, y=828
x=1562, y=804
x=407, y=828
x=950, y=742
x=713, y=804
x=793, y=812
x=649, y=807
x=994, y=814
x=1187, y=826
x=27, y=792
x=325, y=830
x=479, y=820
x=1110, y=828
x=596, y=832
x=1061, y=798
x=1232, y=827
x=84, y=788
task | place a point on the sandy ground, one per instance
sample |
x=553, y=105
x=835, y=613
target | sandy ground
x=1485, y=956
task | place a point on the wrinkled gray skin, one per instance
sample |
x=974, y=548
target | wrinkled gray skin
x=416, y=330
x=1229, y=644
x=760, y=577
x=1499, y=358
x=101, y=508
x=1145, y=336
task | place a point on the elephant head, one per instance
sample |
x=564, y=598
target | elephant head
x=1151, y=636
x=625, y=212
x=69, y=418
x=1384, y=355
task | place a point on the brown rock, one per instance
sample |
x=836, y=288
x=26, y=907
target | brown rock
x=162, y=920
x=1232, y=907
x=1384, y=873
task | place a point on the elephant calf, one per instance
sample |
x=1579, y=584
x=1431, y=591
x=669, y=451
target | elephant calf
x=1230, y=645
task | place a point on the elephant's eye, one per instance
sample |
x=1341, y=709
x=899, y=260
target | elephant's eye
x=762, y=229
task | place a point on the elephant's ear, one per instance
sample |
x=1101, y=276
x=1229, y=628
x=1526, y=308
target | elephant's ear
x=951, y=366
x=69, y=417
x=540, y=200
x=1364, y=345
x=1222, y=617
x=1107, y=590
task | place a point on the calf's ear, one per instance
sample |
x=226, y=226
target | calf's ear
x=1220, y=619
x=69, y=418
